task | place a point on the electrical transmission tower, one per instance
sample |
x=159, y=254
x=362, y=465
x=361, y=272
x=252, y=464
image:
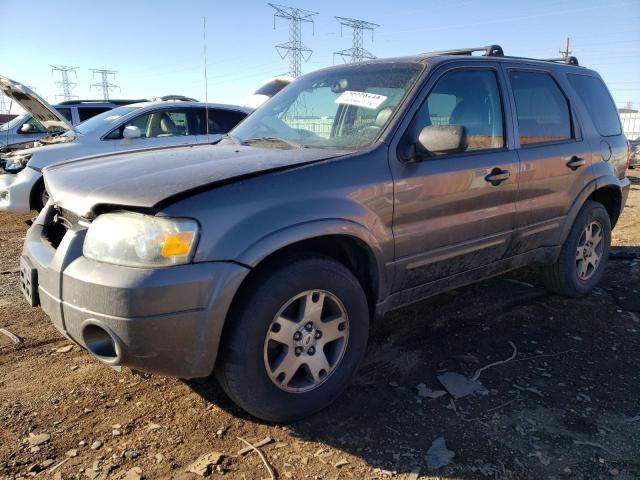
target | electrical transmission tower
x=66, y=85
x=104, y=84
x=294, y=48
x=357, y=52
x=3, y=105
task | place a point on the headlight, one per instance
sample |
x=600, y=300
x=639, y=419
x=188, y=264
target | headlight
x=137, y=240
x=16, y=163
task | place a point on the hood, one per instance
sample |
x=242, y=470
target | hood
x=44, y=155
x=34, y=104
x=147, y=177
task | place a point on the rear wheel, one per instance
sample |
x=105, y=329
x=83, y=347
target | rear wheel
x=294, y=340
x=584, y=253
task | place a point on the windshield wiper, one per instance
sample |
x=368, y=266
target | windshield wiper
x=273, y=140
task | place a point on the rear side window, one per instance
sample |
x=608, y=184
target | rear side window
x=541, y=107
x=220, y=120
x=597, y=100
x=86, y=113
x=66, y=113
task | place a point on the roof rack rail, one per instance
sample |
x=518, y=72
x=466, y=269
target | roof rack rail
x=567, y=60
x=115, y=102
x=489, y=51
x=173, y=98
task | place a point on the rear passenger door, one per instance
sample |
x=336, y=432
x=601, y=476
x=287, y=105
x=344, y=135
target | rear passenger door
x=449, y=217
x=554, y=156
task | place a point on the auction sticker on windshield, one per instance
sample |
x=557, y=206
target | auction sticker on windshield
x=361, y=99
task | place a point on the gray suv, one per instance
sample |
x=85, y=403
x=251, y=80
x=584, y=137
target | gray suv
x=356, y=190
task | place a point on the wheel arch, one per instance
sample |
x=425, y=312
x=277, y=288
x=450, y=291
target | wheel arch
x=605, y=190
x=344, y=241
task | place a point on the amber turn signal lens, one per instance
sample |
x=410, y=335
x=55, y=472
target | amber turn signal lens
x=177, y=244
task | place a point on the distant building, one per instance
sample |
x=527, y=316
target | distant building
x=630, y=123
x=5, y=117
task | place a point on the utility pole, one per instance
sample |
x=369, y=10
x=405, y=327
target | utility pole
x=565, y=51
x=294, y=48
x=104, y=84
x=66, y=85
x=357, y=52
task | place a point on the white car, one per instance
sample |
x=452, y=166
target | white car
x=132, y=127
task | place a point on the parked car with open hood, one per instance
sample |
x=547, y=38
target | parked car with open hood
x=22, y=131
x=131, y=127
x=356, y=190
x=266, y=91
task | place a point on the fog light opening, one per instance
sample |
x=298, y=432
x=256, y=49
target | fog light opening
x=100, y=343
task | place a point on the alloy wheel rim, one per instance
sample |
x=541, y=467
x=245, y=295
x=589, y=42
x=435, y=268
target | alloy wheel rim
x=589, y=250
x=306, y=341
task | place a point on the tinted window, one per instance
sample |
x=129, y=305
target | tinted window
x=105, y=121
x=468, y=98
x=66, y=113
x=596, y=98
x=220, y=121
x=543, y=111
x=87, y=112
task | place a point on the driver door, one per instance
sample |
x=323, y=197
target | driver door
x=158, y=128
x=449, y=217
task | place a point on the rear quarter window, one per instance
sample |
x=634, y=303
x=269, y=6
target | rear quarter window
x=598, y=102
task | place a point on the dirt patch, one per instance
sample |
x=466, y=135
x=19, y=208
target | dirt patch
x=566, y=407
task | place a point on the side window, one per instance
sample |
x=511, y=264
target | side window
x=85, y=113
x=220, y=121
x=598, y=102
x=66, y=113
x=541, y=107
x=470, y=98
x=36, y=126
x=159, y=123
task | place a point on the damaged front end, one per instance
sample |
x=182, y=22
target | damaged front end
x=14, y=162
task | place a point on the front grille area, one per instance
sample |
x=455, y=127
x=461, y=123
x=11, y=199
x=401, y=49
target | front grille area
x=60, y=220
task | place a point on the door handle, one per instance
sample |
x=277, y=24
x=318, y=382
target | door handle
x=575, y=163
x=497, y=176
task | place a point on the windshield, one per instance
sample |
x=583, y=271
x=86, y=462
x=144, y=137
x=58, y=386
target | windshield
x=12, y=123
x=104, y=121
x=342, y=108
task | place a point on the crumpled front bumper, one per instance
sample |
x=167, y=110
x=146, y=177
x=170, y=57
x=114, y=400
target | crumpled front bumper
x=15, y=190
x=162, y=320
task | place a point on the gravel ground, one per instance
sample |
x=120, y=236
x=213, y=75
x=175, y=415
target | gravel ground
x=566, y=407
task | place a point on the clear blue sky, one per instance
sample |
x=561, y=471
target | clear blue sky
x=157, y=45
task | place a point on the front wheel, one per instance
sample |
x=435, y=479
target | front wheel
x=584, y=253
x=294, y=339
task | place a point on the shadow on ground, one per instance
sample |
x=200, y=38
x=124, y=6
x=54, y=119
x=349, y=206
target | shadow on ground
x=560, y=409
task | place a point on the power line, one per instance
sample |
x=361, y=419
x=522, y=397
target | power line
x=104, y=84
x=294, y=48
x=357, y=52
x=64, y=82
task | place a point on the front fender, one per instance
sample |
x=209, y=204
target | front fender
x=271, y=243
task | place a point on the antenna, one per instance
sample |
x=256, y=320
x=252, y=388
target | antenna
x=206, y=82
x=357, y=52
x=104, y=84
x=66, y=85
x=294, y=48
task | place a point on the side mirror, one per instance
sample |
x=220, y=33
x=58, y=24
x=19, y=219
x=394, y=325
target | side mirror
x=131, y=132
x=26, y=128
x=441, y=139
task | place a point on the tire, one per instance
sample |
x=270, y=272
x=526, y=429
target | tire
x=248, y=363
x=567, y=276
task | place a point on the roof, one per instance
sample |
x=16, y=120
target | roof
x=493, y=53
x=221, y=106
x=102, y=102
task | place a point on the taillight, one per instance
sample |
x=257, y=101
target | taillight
x=628, y=155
